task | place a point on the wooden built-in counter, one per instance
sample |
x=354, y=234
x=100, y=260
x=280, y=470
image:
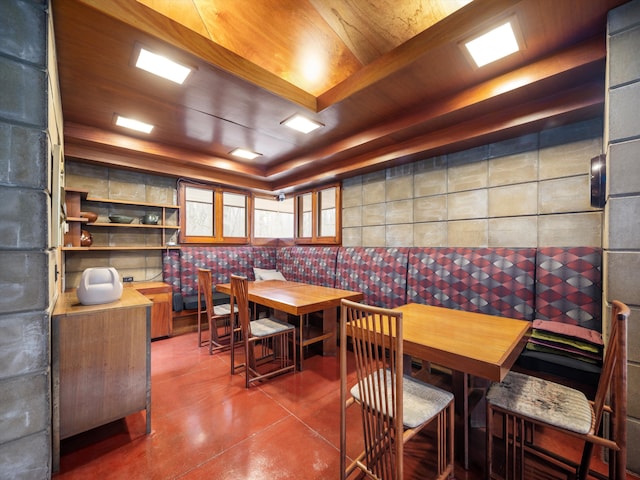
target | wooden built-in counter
x=101, y=369
x=160, y=294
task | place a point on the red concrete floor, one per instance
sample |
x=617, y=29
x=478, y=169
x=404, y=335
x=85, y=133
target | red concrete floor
x=206, y=425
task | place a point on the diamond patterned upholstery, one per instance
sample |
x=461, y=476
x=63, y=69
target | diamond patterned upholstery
x=569, y=286
x=315, y=265
x=495, y=281
x=379, y=273
x=222, y=261
x=171, y=269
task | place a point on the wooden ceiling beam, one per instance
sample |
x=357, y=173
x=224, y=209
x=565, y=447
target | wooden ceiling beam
x=161, y=166
x=526, y=79
x=554, y=110
x=116, y=142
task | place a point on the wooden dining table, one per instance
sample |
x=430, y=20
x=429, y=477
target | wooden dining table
x=301, y=299
x=467, y=343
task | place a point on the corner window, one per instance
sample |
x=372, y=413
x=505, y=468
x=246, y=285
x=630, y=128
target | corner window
x=317, y=216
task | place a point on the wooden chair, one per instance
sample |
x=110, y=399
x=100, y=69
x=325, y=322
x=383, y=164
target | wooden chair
x=394, y=407
x=269, y=336
x=526, y=402
x=215, y=314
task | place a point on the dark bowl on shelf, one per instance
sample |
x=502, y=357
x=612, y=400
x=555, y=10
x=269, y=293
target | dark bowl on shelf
x=120, y=219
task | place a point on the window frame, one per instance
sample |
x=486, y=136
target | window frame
x=269, y=240
x=316, y=216
x=217, y=213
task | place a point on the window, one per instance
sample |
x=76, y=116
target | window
x=327, y=212
x=210, y=215
x=234, y=207
x=273, y=218
x=318, y=219
x=305, y=215
x=199, y=212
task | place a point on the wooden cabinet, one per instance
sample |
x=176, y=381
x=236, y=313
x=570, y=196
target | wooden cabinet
x=160, y=294
x=101, y=368
x=77, y=201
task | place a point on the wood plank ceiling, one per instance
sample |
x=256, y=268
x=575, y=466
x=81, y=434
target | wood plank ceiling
x=387, y=78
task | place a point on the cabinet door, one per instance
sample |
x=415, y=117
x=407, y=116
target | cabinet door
x=102, y=367
x=160, y=314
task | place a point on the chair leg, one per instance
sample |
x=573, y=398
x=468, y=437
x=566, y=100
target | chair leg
x=212, y=325
x=489, y=442
x=585, y=461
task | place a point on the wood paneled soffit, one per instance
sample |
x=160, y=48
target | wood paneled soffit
x=107, y=148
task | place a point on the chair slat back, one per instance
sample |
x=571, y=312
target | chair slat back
x=376, y=336
x=615, y=359
x=204, y=290
x=240, y=297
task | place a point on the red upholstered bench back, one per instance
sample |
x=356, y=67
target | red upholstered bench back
x=380, y=273
x=569, y=285
x=315, y=265
x=495, y=281
x=222, y=261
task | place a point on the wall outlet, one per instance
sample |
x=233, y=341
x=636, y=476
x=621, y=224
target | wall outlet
x=127, y=279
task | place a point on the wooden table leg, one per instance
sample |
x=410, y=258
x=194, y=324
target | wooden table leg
x=461, y=394
x=329, y=326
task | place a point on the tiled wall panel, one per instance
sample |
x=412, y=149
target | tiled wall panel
x=524, y=192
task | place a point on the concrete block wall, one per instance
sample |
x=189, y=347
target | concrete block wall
x=27, y=255
x=622, y=237
x=117, y=184
x=529, y=191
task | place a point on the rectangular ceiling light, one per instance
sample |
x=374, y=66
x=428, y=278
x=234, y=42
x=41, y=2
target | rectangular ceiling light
x=247, y=154
x=302, y=124
x=133, y=124
x=493, y=45
x=162, y=66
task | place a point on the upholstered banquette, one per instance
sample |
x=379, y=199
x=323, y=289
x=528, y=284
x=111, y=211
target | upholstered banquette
x=548, y=283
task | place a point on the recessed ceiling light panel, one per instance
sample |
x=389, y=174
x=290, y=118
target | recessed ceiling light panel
x=133, y=124
x=243, y=153
x=493, y=45
x=302, y=124
x=162, y=66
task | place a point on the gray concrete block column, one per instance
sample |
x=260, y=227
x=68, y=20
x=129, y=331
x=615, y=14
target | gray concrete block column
x=25, y=254
x=622, y=227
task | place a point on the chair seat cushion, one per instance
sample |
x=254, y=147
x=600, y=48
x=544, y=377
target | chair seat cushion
x=264, y=327
x=420, y=401
x=542, y=400
x=224, y=309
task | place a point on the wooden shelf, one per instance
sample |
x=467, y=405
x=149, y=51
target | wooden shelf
x=132, y=225
x=76, y=199
x=106, y=247
x=128, y=202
